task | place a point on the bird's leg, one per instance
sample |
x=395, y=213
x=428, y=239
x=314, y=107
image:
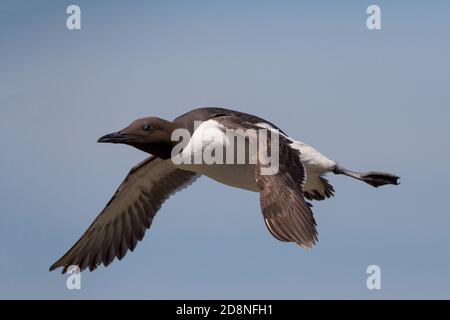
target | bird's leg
x=374, y=178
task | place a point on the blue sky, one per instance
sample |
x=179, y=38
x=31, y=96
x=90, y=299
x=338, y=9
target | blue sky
x=368, y=99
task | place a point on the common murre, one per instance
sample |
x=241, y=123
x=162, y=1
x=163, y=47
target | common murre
x=124, y=220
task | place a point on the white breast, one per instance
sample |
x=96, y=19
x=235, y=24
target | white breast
x=211, y=134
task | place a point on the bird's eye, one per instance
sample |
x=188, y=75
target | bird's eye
x=146, y=127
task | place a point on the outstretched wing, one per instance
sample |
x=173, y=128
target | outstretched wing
x=124, y=220
x=286, y=213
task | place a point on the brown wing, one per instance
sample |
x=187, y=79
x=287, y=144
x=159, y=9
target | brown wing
x=124, y=220
x=286, y=213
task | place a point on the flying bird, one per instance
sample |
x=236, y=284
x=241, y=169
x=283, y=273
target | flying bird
x=283, y=195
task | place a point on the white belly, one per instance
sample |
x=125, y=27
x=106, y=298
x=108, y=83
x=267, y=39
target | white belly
x=238, y=176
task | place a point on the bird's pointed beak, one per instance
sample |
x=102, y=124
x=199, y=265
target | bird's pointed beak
x=115, y=137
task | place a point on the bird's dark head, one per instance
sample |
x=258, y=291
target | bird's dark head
x=151, y=135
